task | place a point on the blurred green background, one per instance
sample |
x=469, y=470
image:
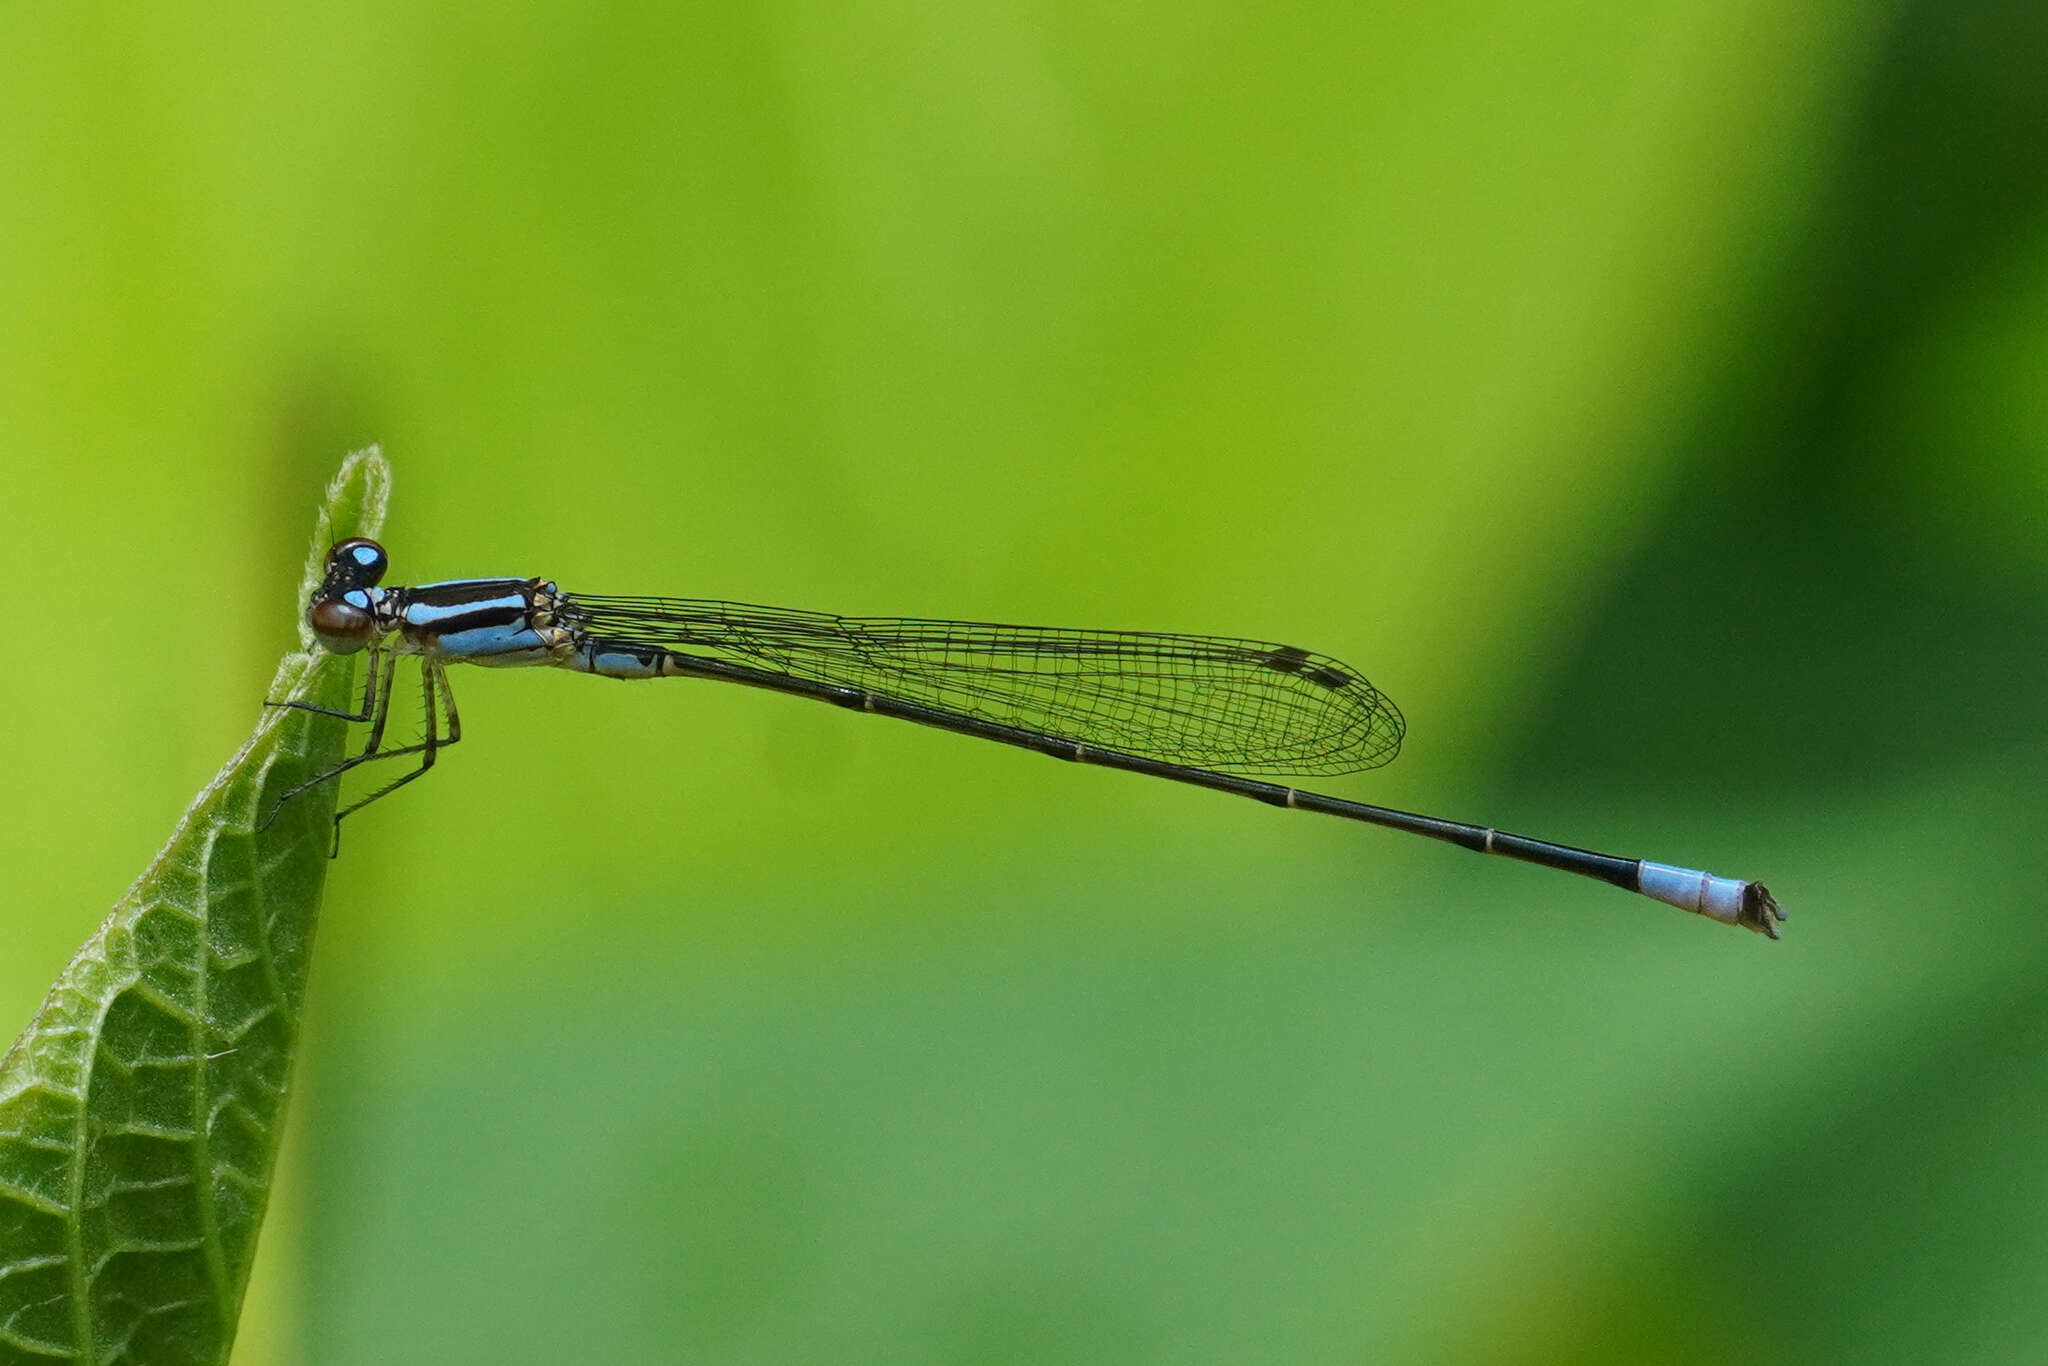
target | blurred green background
x=1652, y=398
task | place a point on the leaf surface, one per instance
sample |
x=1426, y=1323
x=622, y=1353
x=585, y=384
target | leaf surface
x=140, y=1111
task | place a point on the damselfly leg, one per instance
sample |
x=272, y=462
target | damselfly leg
x=435, y=695
x=433, y=685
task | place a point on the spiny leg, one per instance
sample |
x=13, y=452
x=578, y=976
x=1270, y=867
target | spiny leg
x=382, y=713
x=433, y=687
x=371, y=748
x=369, y=708
x=383, y=670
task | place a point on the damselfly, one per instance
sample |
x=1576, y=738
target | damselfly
x=1207, y=710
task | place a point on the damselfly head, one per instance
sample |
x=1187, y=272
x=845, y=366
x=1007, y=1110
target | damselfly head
x=341, y=612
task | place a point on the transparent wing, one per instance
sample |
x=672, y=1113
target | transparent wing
x=1241, y=706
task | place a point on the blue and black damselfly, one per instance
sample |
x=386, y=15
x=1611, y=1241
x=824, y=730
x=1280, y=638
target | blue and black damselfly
x=1206, y=710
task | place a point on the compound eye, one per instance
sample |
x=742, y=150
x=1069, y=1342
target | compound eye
x=342, y=627
x=357, y=560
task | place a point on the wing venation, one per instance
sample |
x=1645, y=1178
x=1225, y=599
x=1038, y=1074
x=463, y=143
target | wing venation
x=1214, y=702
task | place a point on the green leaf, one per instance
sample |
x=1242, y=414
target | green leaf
x=140, y=1110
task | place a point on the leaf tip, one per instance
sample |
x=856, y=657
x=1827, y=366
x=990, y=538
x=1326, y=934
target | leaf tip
x=353, y=505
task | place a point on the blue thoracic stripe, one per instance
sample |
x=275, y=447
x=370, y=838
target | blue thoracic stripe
x=449, y=589
x=456, y=612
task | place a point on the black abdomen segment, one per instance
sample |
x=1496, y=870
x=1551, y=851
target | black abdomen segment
x=1609, y=868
